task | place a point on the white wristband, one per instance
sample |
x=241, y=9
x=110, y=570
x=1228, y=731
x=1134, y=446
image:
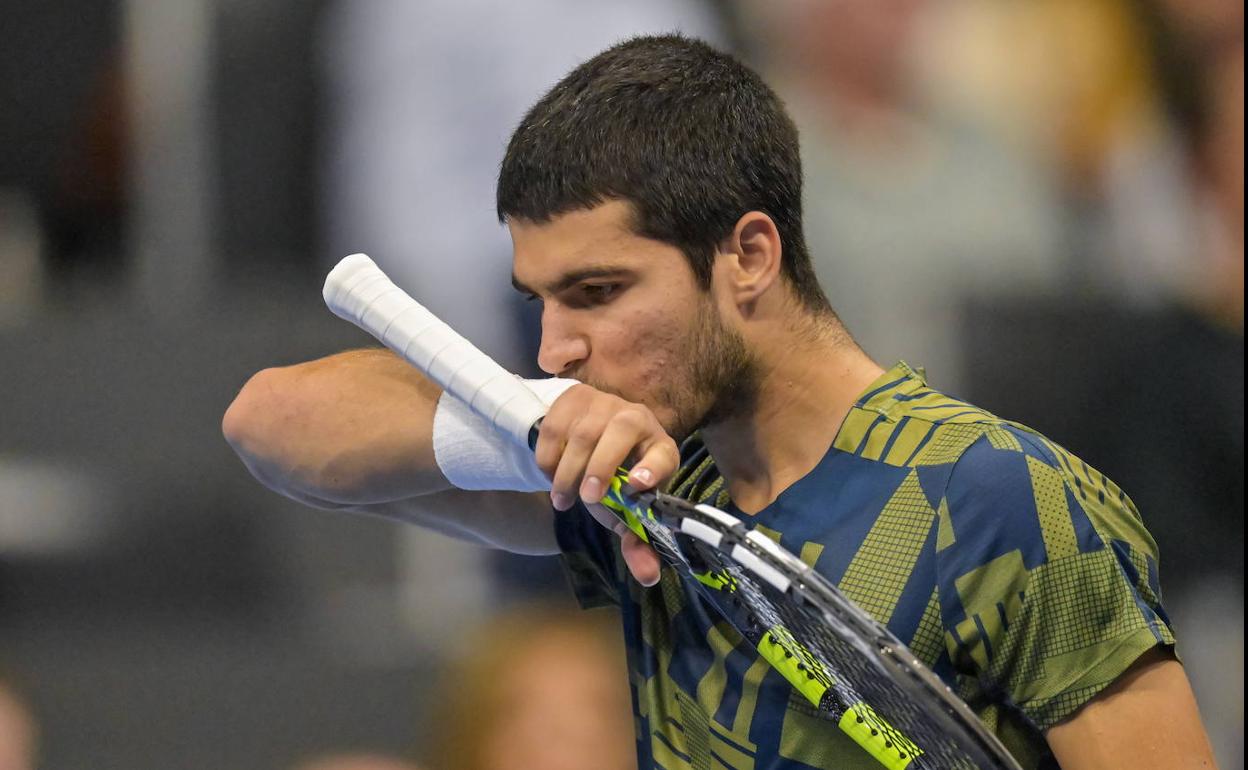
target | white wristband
x=472, y=454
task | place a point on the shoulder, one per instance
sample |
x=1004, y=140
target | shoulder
x=1013, y=489
x=904, y=423
x=1013, y=477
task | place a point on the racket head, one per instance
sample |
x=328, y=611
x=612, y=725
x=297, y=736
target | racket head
x=848, y=667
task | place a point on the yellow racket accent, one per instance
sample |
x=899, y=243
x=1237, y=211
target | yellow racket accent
x=880, y=739
x=873, y=733
x=790, y=658
x=720, y=581
x=628, y=512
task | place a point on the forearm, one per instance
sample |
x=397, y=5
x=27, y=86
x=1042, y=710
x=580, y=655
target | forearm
x=350, y=429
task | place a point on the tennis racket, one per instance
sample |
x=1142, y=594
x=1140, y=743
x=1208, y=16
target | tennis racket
x=849, y=667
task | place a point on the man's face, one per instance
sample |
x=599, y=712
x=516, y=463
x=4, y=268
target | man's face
x=624, y=314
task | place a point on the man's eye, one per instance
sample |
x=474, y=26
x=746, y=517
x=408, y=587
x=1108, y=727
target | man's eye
x=531, y=298
x=599, y=292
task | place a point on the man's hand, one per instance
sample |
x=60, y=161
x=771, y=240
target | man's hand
x=584, y=438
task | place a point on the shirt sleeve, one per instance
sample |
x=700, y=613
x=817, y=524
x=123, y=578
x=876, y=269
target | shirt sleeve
x=590, y=557
x=1047, y=577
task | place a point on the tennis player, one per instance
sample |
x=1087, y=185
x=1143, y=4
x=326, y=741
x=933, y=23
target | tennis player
x=654, y=202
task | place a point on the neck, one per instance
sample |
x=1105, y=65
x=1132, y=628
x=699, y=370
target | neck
x=807, y=384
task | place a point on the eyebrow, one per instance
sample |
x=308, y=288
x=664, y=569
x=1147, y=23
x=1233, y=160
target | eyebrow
x=567, y=280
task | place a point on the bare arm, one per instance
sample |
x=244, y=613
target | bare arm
x=353, y=431
x=1146, y=719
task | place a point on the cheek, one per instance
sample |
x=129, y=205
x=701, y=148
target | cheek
x=643, y=353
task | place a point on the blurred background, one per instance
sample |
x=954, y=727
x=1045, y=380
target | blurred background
x=1039, y=200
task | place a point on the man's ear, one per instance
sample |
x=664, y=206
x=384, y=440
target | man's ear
x=753, y=250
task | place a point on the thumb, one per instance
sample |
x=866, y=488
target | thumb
x=641, y=559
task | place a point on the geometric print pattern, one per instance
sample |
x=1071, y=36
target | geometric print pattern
x=883, y=565
x=1021, y=575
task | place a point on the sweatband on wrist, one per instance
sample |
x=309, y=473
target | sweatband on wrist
x=473, y=455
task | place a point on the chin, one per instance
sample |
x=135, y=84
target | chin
x=681, y=428
x=671, y=422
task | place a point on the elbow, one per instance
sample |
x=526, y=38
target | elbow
x=248, y=418
x=252, y=427
x=267, y=427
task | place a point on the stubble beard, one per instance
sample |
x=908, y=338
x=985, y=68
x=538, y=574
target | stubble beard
x=721, y=380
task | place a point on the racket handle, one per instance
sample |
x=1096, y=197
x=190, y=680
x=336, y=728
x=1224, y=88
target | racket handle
x=358, y=291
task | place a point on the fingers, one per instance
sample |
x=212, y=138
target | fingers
x=658, y=461
x=551, y=450
x=585, y=438
x=578, y=440
x=642, y=562
x=588, y=435
x=631, y=434
x=641, y=559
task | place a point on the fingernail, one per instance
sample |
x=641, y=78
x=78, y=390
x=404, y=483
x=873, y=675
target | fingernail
x=559, y=500
x=641, y=475
x=591, y=489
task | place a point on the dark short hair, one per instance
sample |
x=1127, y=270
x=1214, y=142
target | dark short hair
x=690, y=136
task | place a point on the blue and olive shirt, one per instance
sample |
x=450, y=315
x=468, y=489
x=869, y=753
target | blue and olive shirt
x=1020, y=575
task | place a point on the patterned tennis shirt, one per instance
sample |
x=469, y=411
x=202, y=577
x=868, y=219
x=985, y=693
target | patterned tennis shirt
x=1020, y=575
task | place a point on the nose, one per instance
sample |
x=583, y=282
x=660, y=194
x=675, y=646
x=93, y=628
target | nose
x=563, y=345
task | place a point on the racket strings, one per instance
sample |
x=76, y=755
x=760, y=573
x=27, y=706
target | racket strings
x=845, y=672
x=894, y=711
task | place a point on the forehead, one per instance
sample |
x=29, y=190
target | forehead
x=587, y=239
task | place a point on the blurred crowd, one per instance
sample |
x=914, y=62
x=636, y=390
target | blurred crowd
x=1041, y=202
x=541, y=685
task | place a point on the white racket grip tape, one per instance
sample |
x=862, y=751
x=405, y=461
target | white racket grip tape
x=358, y=291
